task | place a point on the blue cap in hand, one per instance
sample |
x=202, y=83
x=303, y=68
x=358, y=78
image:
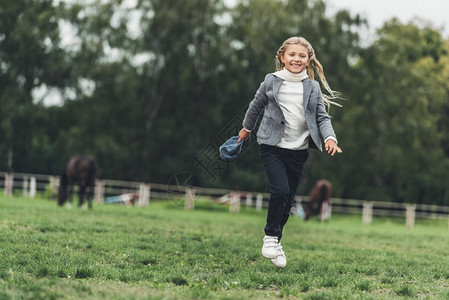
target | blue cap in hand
x=230, y=150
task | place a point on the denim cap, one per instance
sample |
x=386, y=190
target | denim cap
x=230, y=150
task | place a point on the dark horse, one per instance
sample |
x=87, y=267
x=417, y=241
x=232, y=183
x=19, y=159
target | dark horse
x=319, y=195
x=81, y=171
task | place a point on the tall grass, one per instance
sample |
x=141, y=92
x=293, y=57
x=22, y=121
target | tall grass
x=165, y=252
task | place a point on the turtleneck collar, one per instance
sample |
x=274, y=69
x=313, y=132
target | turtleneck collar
x=289, y=76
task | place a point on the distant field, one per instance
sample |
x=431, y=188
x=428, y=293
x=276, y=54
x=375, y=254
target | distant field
x=165, y=252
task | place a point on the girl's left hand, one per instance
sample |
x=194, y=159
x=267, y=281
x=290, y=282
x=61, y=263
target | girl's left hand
x=331, y=147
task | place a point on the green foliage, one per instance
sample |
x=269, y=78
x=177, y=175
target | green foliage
x=30, y=58
x=392, y=127
x=147, y=85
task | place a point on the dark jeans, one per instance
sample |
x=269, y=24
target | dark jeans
x=284, y=169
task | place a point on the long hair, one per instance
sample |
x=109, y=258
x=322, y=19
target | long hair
x=314, y=66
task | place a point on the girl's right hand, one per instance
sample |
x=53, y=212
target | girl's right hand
x=243, y=135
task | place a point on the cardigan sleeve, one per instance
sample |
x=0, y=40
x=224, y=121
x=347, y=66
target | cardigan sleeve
x=255, y=107
x=323, y=120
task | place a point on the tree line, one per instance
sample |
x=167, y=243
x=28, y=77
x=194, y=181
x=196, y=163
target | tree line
x=151, y=88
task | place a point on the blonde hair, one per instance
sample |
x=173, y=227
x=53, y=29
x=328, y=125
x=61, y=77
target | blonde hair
x=313, y=66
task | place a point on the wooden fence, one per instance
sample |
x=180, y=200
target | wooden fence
x=29, y=184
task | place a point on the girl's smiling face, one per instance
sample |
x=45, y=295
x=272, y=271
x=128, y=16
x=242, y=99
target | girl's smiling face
x=295, y=58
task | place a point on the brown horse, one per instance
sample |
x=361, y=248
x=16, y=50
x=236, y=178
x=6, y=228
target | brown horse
x=320, y=195
x=80, y=171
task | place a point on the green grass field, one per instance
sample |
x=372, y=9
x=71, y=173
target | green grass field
x=165, y=252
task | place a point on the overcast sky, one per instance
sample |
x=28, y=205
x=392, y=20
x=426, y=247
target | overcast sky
x=435, y=12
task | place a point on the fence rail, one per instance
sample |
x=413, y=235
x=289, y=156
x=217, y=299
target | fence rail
x=105, y=189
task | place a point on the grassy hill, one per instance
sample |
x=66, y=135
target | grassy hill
x=165, y=252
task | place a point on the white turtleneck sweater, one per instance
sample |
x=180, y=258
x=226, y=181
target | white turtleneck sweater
x=290, y=96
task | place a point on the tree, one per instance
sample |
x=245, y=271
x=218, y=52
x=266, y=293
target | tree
x=30, y=58
x=146, y=86
x=390, y=128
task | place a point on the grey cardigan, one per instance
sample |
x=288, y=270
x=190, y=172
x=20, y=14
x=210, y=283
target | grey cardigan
x=272, y=126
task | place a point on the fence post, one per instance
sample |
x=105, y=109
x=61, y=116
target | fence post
x=99, y=191
x=234, y=206
x=9, y=184
x=53, y=186
x=367, y=212
x=259, y=198
x=32, y=187
x=25, y=186
x=325, y=213
x=410, y=215
x=143, y=195
x=190, y=195
x=249, y=200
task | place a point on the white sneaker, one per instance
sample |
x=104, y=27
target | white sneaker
x=270, y=245
x=280, y=260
